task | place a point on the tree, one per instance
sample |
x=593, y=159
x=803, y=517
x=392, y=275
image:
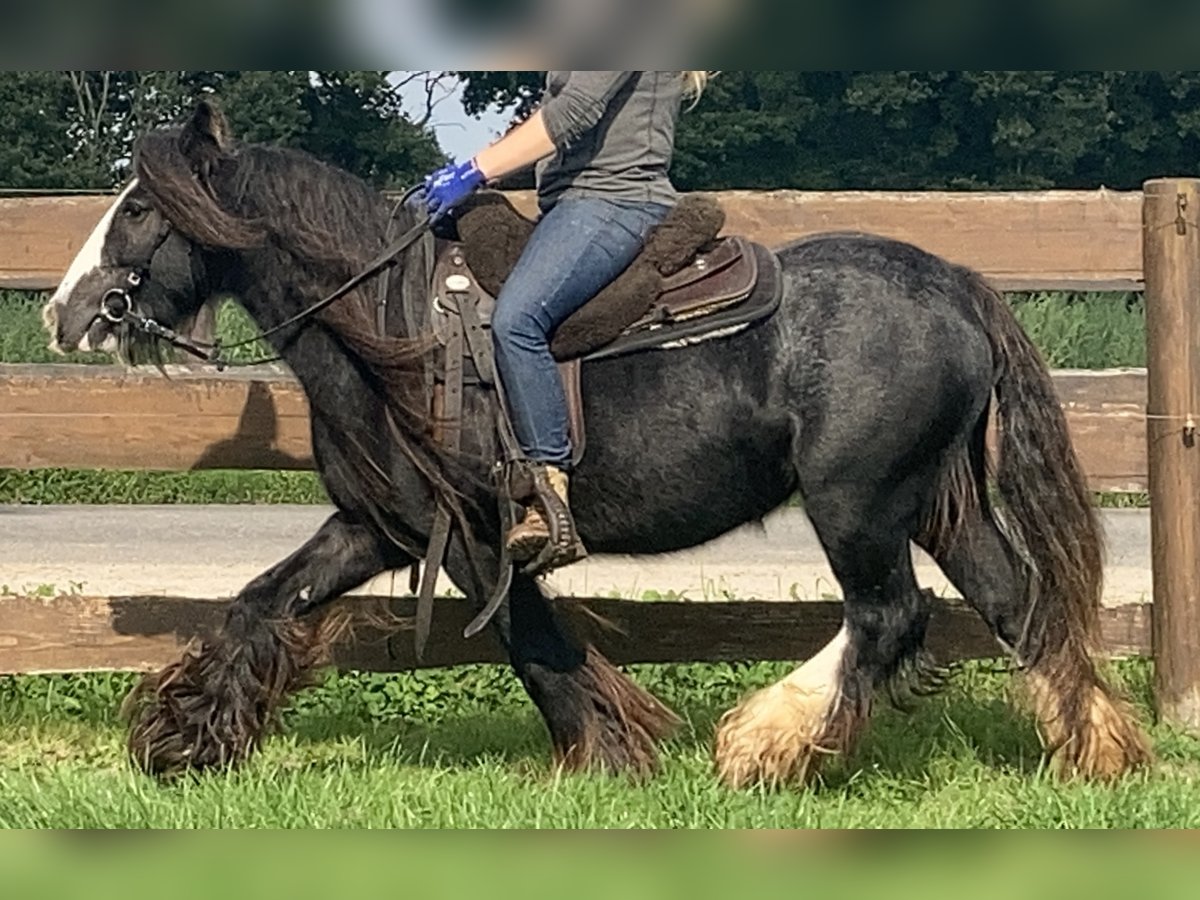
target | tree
x=37, y=148
x=518, y=91
x=77, y=129
x=354, y=120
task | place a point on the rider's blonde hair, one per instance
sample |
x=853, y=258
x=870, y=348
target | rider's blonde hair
x=693, y=85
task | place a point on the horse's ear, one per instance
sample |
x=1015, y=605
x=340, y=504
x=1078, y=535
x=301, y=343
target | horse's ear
x=205, y=137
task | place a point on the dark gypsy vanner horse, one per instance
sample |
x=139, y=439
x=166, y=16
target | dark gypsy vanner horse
x=868, y=391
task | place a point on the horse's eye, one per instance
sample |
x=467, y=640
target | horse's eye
x=134, y=211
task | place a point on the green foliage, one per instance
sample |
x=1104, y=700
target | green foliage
x=76, y=129
x=56, y=486
x=751, y=129
x=518, y=91
x=351, y=119
x=1084, y=331
x=37, y=147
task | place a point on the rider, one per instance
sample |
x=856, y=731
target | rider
x=603, y=142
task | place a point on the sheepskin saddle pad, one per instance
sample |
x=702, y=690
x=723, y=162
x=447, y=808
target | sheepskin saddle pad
x=687, y=284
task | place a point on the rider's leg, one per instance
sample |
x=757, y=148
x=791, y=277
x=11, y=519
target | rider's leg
x=576, y=249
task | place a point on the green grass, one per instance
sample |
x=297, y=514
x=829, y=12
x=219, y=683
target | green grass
x=45, y=486
x=1084, y=331
x=461, y=748
x=1072, y=330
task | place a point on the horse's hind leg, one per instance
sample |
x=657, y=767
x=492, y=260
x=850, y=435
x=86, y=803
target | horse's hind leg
x=1080, y=722
x=779, y=733
x=212, y=707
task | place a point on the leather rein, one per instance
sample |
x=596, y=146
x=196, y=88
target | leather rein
x=118, y=306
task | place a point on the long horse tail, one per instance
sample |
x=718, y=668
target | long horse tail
x=1048, y=505
x=1044, y=508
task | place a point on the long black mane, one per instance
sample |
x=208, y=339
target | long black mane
x=245, y=194
x=329, y=223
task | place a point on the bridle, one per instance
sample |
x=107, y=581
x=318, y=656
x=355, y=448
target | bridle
x=119, y=304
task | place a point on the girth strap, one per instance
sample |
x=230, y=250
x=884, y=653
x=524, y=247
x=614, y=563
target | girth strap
x=466, y=333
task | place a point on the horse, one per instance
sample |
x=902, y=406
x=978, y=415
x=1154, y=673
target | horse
x=891, y=389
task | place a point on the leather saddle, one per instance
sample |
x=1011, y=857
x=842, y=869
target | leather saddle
x=715, y=287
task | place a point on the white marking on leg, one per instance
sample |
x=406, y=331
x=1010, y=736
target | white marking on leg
x=823, y=673
x=89, y=256
x=774, y=734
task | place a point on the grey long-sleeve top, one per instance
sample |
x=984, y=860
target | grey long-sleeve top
x=614, y=133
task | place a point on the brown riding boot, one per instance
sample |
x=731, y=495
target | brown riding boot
x=528, y=537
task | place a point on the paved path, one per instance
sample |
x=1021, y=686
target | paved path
x=211, y=551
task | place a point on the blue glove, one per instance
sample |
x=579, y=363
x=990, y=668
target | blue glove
x=449, y=186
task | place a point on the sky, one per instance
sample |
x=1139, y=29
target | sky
x=460, y=135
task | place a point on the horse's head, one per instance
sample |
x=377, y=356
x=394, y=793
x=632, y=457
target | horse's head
x=136, y=258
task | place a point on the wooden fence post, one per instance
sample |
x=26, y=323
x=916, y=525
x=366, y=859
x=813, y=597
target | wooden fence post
x=1171, y=263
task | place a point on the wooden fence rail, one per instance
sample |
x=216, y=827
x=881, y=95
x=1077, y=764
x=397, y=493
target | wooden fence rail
x=108, y=417
x=1028, y=240
x=77, y=633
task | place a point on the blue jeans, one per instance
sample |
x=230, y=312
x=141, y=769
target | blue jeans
x=576, y=248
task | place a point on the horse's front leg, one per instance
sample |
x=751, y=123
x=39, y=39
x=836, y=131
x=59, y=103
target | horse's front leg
x=212, y=707
x=597, y=716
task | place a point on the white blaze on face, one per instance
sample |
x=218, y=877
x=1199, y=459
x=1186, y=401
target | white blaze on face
x=88, y=257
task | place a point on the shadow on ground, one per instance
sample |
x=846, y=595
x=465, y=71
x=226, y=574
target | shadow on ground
x=986, y=730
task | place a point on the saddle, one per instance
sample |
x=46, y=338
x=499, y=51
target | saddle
x=686, y=286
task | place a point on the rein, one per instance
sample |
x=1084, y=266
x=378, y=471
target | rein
x=118, y=306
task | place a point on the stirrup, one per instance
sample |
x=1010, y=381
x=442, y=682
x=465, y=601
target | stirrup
x=564, y=545
x=529, y=483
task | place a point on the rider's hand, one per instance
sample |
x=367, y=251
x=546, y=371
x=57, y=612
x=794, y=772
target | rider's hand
x=449, y=186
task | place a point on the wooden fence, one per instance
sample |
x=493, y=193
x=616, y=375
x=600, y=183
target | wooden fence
x=107, y=418
x=78, y=633
x=257, y=418
x=1022, y=241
